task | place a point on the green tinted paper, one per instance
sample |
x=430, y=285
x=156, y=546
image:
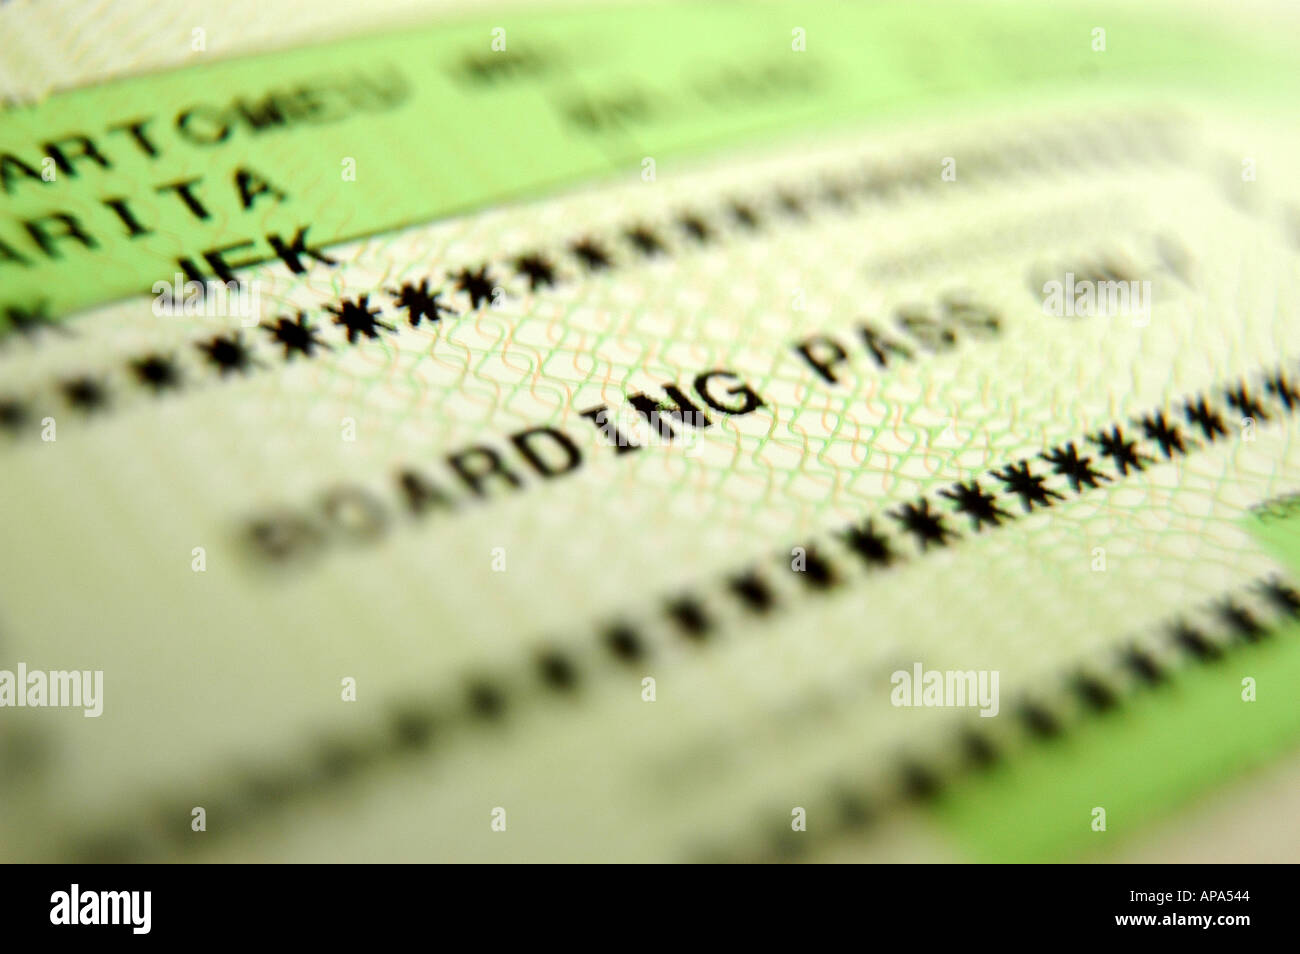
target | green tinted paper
x=646, y=432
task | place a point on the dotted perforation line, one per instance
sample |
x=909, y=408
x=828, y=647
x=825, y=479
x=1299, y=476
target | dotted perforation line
x=1233, y=621
x=560, y=671
x=357, y=319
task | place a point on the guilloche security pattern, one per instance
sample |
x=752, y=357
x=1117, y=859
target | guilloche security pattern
x=612, y=405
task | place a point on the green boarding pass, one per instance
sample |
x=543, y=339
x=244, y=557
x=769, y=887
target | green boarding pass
x=646, y=432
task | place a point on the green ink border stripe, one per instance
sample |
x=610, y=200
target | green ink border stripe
x=1159, y=750
x=439, y=127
